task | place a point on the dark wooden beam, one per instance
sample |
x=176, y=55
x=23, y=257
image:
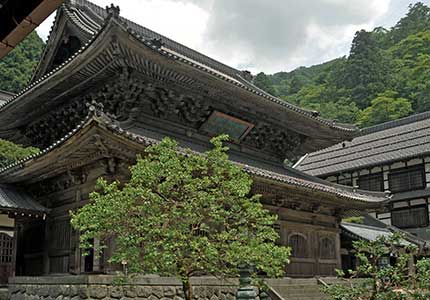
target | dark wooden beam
x=19, y=18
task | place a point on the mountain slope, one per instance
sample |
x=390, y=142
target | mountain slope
x=17, y=67
x=385, y=77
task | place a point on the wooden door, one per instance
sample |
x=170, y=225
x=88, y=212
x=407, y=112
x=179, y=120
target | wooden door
x=6, y=257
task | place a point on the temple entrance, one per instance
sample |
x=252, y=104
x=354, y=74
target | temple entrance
x=7, y=253
x=30, y=246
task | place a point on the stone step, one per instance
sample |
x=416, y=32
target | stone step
x=307, y=298
x=298, y=289
x=300, y=293
x=4, y=294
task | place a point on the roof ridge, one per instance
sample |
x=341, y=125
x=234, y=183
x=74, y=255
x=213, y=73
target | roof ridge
x=334, y=149
x=358, y=151
x=365, y=226
x=395, y=123
x=7, y=92
x=94, y=114
x=198, y=56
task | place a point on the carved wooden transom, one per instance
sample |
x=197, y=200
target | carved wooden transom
x=130, y=98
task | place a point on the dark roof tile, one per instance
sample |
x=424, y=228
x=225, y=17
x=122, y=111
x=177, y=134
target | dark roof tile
x=392, y=141
x=15, y=200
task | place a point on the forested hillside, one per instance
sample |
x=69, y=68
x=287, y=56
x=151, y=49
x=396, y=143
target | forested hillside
x=17, y=67
x=15, y=71
x=386, y=75
x=10, y=152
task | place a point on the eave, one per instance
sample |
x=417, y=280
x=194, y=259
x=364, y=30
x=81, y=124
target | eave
x=16, y=26
x=321, y=132
x=98, y=137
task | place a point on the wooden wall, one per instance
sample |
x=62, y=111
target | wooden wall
x=55, y=247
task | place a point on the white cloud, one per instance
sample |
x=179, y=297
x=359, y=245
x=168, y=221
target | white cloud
x=259, y=35
x=275, y=35
x=181, y=21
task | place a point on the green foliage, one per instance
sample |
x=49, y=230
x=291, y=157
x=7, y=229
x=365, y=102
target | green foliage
x=183, y=214
x=17, y=67
x=10, y=152
x=355, y=220
x=263, y=82
x=386, y=107
x=384, y=282
x=417, y=19
x=380, y=61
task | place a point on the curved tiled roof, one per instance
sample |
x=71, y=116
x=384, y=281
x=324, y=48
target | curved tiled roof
x=288, y=176
x=372, y=233
x=195, y=59
x=49, y=74
x=392, y=141
x=15, y=200
x=4, y=96
x=92, y=18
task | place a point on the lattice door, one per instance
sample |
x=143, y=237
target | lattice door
x=6, y=257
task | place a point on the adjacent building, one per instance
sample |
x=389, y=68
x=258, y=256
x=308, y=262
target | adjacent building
x=106, y=88
x=393, y=157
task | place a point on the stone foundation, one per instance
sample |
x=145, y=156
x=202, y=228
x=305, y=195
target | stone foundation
x=99, y=287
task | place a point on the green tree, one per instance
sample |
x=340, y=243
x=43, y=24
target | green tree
x=344, y=111
x=412, y=69
x=384, y=282
x=263, y=82
x=381, y=60
x=17, y=67
x=183, y=214
x=417, y=19
x=10, y=152
x=367, y=70
x=386, y=107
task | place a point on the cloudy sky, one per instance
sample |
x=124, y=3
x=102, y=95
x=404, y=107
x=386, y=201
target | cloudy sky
x=261, y=35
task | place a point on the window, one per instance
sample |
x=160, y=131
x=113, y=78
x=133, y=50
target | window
x=371, y=182
x=406, y=179
x=345, y=179
x=417, y=216
x=327, y=248
x=6, y=249
x=219, y=123
x=298, y=244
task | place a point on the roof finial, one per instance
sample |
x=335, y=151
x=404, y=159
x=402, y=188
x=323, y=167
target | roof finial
x=157, y=42
x=388, y=194
x=96, y=110
x=113, y=11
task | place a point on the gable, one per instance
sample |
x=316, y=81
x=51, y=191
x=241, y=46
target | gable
x=65, y=39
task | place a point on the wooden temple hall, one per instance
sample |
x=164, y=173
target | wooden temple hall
x=105, y=89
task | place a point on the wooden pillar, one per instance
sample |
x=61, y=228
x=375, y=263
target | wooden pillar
x=15, y=246
x=46, y=266
x=96, y=258
x=316, y=244
x=78, y=268
x=338, y=251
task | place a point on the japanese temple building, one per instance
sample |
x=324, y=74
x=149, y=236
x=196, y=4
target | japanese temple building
x=105, y=89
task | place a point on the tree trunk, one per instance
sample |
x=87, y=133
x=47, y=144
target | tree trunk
x=188, y=289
